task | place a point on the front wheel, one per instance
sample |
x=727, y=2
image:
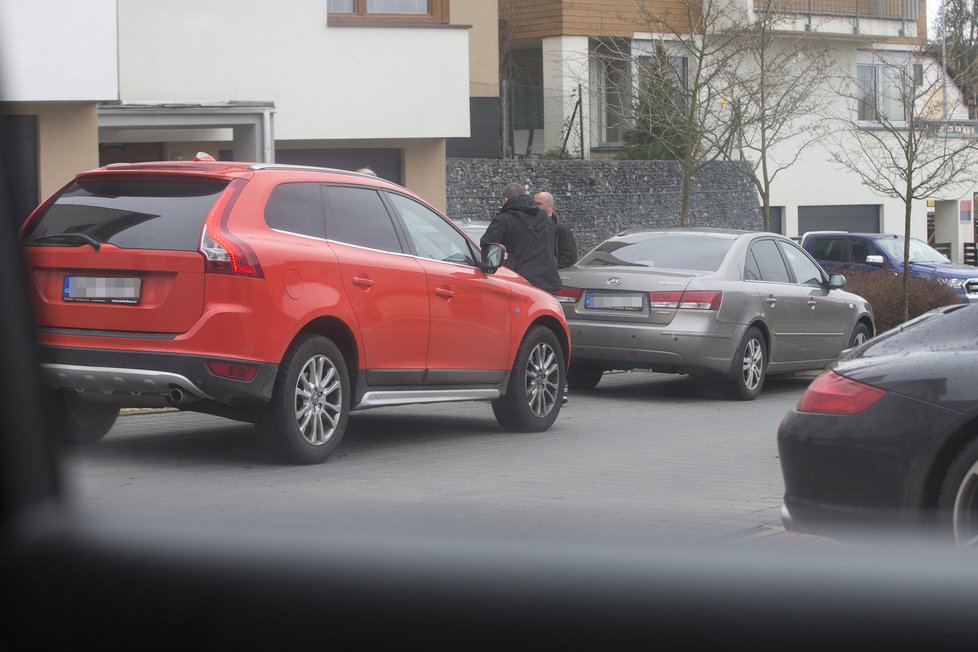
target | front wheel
x=305, y=420
x=536, y=384
x=749, y=367
x=957, y=503
x=860, y=334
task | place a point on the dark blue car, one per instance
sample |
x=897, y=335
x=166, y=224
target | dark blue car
x=838, y=251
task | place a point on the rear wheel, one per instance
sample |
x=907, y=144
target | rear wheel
x=584, y=376
x=305, y=420
x=749, y=368
x=82, y=422
x=957, y=502
x=536, y=385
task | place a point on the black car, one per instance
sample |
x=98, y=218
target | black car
x=888, y=435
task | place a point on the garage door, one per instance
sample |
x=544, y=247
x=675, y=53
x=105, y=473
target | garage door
x=855, y=218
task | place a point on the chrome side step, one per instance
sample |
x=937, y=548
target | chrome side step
x=405, y=397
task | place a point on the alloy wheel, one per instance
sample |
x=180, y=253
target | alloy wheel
x=965, y=514
x=753, y=364
x=542, y=379
x=318, y=400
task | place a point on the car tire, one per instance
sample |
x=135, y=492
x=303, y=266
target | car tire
x=306, y=417
x=536, y=384
x=584, y=376
x=82, y=422
x=859, y=335
x=957, y=502
x=749, y=368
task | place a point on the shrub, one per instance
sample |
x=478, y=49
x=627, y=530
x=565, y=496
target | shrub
x=884, y=291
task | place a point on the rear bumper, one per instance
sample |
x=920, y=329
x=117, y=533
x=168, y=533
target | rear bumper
x=128, y=377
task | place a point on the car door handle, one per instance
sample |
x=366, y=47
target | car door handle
x=771, y=300
x=812, y=303
x=445, y=293
x=363, y=281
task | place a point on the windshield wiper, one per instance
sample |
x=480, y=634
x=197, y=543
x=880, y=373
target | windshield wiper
x=85, y=238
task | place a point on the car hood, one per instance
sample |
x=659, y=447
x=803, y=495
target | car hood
x=949, y=270
x=933, y=357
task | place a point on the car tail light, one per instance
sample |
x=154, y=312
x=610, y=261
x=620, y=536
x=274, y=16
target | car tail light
x=569, y=295
x=701, y=300
x=664, y=299
x=692, y=300
x=223, y=252
x=831, y=393
x=232, y=370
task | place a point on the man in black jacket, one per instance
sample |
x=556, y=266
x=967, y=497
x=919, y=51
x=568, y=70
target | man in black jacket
x=566, y=246
x=529, y=237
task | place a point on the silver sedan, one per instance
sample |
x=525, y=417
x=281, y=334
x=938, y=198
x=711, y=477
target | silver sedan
x=732, y=304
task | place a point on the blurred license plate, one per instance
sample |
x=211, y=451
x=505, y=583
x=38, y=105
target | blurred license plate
x=101, y=289
x=631, y=302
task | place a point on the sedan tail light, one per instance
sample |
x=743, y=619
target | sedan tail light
x=692, y=300
x=223, y=252
x=569, y=295
x=831, y=393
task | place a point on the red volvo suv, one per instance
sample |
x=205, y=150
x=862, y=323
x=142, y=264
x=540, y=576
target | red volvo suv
x=282, y=295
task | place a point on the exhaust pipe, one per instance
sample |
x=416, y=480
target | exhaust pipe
x=176, y=395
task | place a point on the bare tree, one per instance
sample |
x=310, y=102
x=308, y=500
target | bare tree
x=775, y=90
x=706, y=35
x=899, y=145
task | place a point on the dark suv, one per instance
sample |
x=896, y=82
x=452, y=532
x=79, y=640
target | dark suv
x=285, y=296
x=837, y=251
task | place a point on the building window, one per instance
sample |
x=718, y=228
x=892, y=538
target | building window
x=610, y=103
x=882, y=92
x=387, y=11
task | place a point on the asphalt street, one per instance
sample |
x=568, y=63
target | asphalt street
x=657, y=456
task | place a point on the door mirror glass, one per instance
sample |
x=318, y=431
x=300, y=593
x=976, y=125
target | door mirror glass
x=837, y=282
x=874, y=260
x=493, y=255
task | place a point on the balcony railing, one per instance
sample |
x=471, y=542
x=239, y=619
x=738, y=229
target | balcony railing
x=887, y=9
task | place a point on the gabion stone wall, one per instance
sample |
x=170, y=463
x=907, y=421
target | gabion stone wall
x=599, y=198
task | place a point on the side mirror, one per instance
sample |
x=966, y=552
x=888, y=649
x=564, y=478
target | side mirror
x=837, y=281
x=493, y=255
x=874, y=260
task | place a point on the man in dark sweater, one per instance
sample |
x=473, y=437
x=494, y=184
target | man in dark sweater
x=566, y=246
x=529, y=237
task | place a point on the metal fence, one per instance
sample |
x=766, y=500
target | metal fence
x=892, y=9
x=542, y=123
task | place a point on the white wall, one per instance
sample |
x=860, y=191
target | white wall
x=326, y=82
x=58, y=50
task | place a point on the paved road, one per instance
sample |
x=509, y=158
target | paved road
x=661, y=456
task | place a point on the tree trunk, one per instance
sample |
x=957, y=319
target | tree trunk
x=906, y=259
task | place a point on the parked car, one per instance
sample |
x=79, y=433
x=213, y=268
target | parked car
x=889, y=434
x=281, y=295
x=475, y=228
x=732, y=304
x=839, y=252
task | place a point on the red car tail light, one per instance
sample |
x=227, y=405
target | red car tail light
x=831, y=393
x=701, y=300
x=569, y=295
x=232, y=370
x=223, y=252
x=664, y=299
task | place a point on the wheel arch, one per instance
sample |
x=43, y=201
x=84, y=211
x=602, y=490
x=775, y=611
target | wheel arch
x=342, y=336
x=867, y=321
x=760, y=325
x=964, y=435
x=553, y=324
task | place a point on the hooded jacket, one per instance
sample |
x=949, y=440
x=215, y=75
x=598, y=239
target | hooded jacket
x=529, y=237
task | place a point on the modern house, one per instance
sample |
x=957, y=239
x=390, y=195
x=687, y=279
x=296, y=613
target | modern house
x=570, y=47
x=389, y=84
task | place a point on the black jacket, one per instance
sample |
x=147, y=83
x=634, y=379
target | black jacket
x=566, y=245
x=530, y=240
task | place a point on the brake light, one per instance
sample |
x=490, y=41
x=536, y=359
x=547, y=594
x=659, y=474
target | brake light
x=664, y=299
x=692, y=300
x=701, y=300
x=223, y=252
x=232, y=370
x=831, y=393
x=569, y=295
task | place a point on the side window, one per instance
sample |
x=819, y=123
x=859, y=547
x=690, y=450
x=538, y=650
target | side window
x=751, y=271
x=769, y=262
x=832, y=249
x=858, y=250
x=806, y=272
x=358, y=216
x=432, y=236
x=296, y=208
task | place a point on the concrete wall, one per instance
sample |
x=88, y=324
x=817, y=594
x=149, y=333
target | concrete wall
x=600, y=198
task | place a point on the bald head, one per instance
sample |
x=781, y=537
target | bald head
x=545, y=202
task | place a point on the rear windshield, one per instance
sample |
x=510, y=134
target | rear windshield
x=694, y=251
x=131, y=214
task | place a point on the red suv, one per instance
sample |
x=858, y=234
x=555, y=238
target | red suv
x=282, y=295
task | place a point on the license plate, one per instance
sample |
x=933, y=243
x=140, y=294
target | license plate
x=101, y=289
x=604, y=301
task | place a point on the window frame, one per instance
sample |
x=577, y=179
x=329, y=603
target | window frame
x=880, y=84
x=438, y=13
